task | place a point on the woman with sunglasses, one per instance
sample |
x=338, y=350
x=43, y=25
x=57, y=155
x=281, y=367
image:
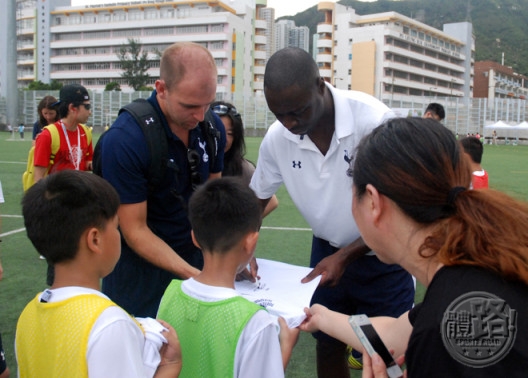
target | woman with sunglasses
x=235, y=164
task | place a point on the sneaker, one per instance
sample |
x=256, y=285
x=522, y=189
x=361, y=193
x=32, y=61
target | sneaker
x=354, y=359
x=42, y=257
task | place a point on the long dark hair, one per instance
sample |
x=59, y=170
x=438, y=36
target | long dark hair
x=234, y=158
x=420, y=166
x=46, y=103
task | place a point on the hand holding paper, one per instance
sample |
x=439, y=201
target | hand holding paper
x=280, y=290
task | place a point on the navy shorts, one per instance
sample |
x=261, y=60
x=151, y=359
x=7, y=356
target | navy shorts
x=367, y=286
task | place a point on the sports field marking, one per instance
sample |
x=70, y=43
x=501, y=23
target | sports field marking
x=266, y=228
x=13, y=162
x=286, y=228
x=12, y=232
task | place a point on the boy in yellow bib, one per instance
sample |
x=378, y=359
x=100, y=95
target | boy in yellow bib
x=221, y=333
x=72, y=329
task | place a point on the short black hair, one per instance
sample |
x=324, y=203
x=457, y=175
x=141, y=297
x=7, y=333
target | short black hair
x=437, y=109
x=473, y=147
x=60, y=207
x=222, y=212
x=290, y=66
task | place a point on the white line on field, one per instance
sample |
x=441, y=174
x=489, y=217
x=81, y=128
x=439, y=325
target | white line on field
x=286, y=228
x=13, y=162
x=266, y=228
x=12, y=232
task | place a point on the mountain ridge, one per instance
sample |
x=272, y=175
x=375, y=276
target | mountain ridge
x=499, y=26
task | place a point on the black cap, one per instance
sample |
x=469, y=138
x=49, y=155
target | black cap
x=73, y=94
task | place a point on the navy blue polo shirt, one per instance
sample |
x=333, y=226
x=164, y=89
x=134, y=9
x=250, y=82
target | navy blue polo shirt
x=125, y=164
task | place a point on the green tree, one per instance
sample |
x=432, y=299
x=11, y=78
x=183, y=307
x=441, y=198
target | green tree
x=40, y=86
x=113, y=86
x=135, y=64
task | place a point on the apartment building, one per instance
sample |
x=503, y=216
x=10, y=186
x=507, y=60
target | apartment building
x=56, y=41
x=287, y=34
x=388, y=54
x=494, y=80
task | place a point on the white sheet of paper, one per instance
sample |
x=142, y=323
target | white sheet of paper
x=280, y=290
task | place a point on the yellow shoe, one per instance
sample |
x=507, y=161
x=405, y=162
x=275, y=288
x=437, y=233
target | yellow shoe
x=354, y=363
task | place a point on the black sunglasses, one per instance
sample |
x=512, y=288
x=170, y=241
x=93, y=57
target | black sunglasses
x=86, y=106
x=224, y=109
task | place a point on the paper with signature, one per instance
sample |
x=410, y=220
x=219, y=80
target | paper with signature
x=280, y=290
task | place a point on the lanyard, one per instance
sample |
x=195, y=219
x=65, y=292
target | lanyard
x=76, y=160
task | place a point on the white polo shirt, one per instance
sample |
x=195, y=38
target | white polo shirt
x=317, y=183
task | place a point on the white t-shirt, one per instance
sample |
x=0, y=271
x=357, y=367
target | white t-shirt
x=258, y=353
x=318, y=184
x=116, y=345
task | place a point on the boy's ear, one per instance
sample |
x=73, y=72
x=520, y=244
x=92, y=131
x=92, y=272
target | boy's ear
x=93, y=240
x=195, y=242
x=250, y=243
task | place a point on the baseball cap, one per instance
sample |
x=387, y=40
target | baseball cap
x=73, y=94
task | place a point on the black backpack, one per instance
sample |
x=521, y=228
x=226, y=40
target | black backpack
x=147, y=117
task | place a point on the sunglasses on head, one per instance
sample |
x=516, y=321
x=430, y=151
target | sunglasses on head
x=224, y=109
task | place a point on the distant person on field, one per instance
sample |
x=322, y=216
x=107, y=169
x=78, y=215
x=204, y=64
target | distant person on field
x=494, y=137
x=72, y=329
x=221, y=333
x=473, y=149
x=47, y=113
x=434, y=111
x=235, y=164
x=21, y=128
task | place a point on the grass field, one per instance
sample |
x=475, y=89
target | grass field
x=24, y=273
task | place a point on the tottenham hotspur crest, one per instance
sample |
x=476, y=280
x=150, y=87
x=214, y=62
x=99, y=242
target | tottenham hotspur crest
x=205, y=157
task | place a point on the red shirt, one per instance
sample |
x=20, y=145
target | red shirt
x=480, y=181
x=63, y=158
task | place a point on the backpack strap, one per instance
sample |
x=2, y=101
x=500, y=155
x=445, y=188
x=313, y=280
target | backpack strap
x=55, y=141
x=88, y=133
x=149, y=121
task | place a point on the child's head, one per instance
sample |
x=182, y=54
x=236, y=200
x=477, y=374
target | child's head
x=222, y=212
x=435, y=111
x=61, y=207
x=473, y=147
x=47, y=111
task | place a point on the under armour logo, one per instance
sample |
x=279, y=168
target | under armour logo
x=149, y=121
x=296, y=164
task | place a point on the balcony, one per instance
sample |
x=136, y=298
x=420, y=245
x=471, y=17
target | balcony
x=324, y=58
x=261, y=40
x=324, y=43
x=325, y=28
x=261, y=24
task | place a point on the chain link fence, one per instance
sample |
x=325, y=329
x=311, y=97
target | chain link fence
x=463, y=115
